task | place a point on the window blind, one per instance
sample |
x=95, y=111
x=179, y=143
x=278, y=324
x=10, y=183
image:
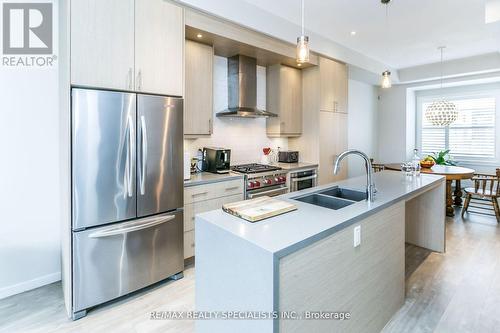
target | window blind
x=471, y=137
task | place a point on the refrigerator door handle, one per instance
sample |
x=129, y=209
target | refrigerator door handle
x=144, y=154
x=130, y=155
x=131, y=226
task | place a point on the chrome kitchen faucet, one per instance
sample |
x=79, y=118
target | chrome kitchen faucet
x=370, y=186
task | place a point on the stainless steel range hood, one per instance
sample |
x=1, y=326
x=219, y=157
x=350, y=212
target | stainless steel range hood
x=242, y=89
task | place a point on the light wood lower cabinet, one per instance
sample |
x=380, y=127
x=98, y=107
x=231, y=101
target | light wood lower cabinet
x=204, y=198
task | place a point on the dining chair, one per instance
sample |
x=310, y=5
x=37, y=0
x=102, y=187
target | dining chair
x=483, y=195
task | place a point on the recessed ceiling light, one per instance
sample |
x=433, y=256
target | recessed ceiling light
x=299, y=64
x=199, y=35
x=353, y=33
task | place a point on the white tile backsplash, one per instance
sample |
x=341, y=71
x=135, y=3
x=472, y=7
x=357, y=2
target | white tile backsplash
x=245, y=137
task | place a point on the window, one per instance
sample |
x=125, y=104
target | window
x=472, y=138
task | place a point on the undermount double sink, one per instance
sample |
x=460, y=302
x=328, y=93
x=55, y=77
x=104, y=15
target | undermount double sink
x=333, y=197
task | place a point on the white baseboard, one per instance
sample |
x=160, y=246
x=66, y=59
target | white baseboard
x=28, y=285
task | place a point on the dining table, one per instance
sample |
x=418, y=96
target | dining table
x=452, y=173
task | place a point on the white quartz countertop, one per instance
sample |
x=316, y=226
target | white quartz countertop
x=285, y=233
x=208, y=178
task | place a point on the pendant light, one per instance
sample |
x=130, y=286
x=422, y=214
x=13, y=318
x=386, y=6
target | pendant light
x=442, y=112
x=386, y=82
x=302, y=43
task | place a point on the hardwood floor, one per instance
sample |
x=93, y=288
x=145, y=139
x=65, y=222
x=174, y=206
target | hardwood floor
x=42, y=310
x=455, y=292
x=458, y=291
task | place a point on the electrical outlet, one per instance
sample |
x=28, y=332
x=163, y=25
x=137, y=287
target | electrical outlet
x=357, y=236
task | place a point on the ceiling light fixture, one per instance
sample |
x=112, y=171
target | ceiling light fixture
x=302, y=43
x=442, y=112
x=386, y=82
x=199, y=35
x=353, y=33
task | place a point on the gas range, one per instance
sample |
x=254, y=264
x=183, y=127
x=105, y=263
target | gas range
x=261, y=179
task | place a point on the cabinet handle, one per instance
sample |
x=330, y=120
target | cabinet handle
x=232, y=188
x=210, y=126
x=139, y=80
x=201, y=193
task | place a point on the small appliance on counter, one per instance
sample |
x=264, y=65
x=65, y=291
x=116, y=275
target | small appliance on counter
x=288, y=156
x=218, y=160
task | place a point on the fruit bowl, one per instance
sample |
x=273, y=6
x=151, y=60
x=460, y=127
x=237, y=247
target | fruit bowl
x=427, y=164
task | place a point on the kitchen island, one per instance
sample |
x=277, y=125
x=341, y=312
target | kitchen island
x=305, y=263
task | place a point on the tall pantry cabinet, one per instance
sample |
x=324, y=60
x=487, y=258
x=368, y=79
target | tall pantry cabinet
x=324, y=123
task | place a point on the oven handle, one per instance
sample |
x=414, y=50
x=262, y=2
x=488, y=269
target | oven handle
x=277, y=190
x=297, y=179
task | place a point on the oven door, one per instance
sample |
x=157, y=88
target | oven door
x=302, y=180
x=270, y=191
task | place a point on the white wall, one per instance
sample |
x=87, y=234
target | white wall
x=245, y=137
x=29, y=204
x=362, y=124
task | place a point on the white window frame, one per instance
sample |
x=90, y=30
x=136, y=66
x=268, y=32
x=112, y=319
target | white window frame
x=463, y=92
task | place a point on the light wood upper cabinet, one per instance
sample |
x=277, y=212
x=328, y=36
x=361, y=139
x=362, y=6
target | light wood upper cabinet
x=102, y=43
x=326, y=78
x=284, y=98
x=135, y=45
x=198, y=102
x=333, y=86
x=159, y=45
x=340, y=88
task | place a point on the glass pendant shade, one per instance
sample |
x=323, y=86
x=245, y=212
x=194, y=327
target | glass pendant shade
x=302, y=49
x=441, y=113
x=386, y=80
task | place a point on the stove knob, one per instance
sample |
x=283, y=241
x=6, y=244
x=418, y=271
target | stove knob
x=250, y=184
x=268, y=181
x=283, y=179
x=256, y=183
x=277, y=179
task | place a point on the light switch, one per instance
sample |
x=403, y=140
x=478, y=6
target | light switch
x=357, y=236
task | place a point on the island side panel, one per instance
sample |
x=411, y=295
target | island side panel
x=333, y=275
x=232, y=274
x=425, y=219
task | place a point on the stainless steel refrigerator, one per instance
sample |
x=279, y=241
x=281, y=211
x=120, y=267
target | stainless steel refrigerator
x=127, y=193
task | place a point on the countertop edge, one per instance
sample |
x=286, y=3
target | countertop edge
x=190, y=183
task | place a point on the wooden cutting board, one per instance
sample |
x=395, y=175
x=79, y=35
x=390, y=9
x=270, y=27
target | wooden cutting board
x=258, y=209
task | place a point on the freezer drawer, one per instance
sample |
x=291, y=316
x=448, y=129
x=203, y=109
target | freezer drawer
x=112, y=261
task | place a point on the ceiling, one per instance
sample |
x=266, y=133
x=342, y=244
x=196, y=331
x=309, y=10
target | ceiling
x=410, y=36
